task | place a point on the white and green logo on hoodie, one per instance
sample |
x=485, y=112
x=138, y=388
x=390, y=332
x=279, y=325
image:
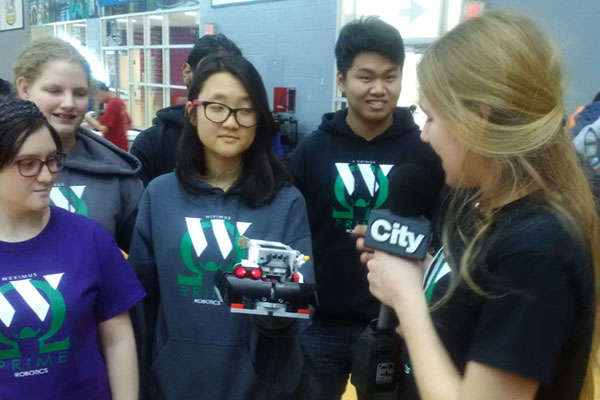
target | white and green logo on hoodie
x=194, y=243
x=70, y=198
x=353, y=206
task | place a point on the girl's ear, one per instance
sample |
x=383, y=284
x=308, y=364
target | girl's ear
x=483, y=111
x=186, y=71
x=22, y=88
x=190, y=112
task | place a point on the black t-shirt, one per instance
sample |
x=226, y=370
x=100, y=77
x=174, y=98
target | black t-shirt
x=536, y=320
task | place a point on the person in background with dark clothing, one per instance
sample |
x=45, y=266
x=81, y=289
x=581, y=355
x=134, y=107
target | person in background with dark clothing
x=585, y=131
x=6, y=90
x=585, y=115
x=156, y=147
x=342, y=169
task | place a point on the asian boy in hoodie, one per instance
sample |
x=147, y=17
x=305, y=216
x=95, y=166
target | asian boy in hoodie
x=341, y=169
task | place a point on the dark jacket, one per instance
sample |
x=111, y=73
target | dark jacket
x=156, y=147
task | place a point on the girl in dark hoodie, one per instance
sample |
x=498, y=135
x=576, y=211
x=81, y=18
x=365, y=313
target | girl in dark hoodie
x=228, y=183
x=98, y=180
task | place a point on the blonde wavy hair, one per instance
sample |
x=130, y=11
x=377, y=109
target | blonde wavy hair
x=496, y=82
x=36, y=55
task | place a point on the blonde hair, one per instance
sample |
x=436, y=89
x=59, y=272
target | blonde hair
x=36, y=55
x=496, y=83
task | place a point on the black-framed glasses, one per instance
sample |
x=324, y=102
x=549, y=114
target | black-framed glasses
x=29, y=167
x=219, y=112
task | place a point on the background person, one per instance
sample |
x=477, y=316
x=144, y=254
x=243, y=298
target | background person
x=6, y=90
x=114, y=122
x=585, y=115
x=65, y=289
x=507, y=309
x=98, y=180
x=228, y=183
x=341, y=169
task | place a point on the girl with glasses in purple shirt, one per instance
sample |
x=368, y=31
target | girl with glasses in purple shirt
x=65, y=288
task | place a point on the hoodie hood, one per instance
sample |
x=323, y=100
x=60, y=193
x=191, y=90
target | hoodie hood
x=170, y=115
x=403, y=124
x=95, y=154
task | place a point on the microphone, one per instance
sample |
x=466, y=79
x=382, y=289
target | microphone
x=402, y=230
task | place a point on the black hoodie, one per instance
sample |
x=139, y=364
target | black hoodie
x=342, y=177
x=156, y=147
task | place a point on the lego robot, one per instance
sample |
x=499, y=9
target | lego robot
x=268, y=282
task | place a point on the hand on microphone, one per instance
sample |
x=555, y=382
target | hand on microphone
x=366, y=253
x=394, y=280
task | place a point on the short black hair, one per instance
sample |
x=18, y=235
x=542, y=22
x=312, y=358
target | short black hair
x=368, y=34
x=263, y=173
x=209, y=44
x=597, y=98
x=6, y=90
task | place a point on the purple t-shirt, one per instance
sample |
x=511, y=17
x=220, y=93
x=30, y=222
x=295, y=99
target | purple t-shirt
x=54, y=290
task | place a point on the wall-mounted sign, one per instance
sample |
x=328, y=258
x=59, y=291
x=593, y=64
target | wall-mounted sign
x=415, y=19
x=11, y=14
x=225, y=3
x=473, y=9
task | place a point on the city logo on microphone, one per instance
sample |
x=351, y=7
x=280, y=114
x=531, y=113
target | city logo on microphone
x=359, y=187
x=396, y=234
x=407, y=237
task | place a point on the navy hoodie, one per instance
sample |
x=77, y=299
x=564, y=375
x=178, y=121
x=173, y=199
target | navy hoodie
x=343, y=177
x=190, y=345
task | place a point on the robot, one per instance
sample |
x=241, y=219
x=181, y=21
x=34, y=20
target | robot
x=268, y=282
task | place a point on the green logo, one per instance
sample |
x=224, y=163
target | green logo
x=70, y=198
x=31, y=290
x=194, y=243
x=438, y=269
x=359, y=188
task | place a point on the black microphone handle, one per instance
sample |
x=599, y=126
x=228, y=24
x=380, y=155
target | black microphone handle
x=387, y=319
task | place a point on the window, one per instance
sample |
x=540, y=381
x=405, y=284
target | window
x=76, y=33
x=73, y=31
x=41, y=31
x=144, y=55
